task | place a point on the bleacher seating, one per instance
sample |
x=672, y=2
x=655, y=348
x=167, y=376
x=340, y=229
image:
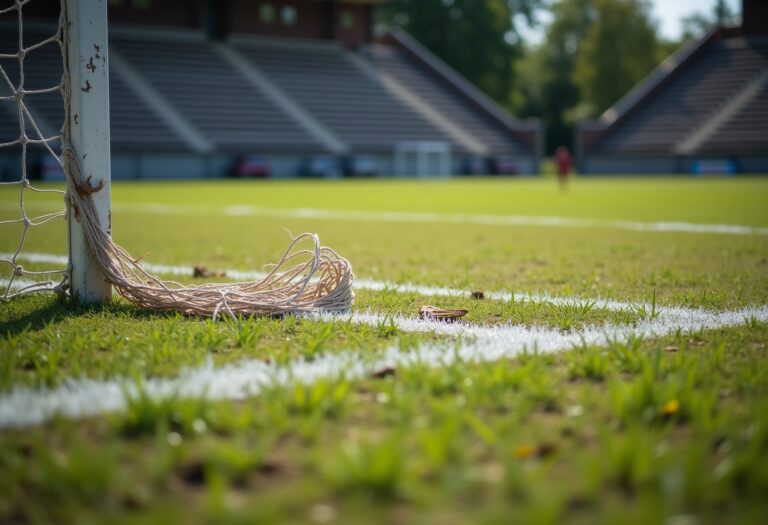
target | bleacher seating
x=42, y=70
x=746, y=131
x=322, y=80
x=339, y=88
x=133, y=126
x=448, y=102
x=689, y=97
x=226, y=109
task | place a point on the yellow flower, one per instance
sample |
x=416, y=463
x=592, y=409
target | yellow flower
x=524, y=451
x=670, y=408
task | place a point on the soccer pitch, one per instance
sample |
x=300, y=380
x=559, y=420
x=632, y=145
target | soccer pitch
x=613, y=371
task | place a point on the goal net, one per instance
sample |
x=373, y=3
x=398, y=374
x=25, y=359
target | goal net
x=308, y=277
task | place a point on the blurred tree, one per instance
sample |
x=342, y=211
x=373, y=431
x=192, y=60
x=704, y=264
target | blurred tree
x=619, y=49
x=696, y=24
x=478, y=38
x=723, y=13
x=546, y=88
x=593, y=52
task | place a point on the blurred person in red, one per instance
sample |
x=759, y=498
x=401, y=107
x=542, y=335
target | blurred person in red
x=564, y=163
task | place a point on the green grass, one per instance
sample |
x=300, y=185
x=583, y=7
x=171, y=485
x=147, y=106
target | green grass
x=711, y=271
x=538, y=436
x=736, y=201
x=672, y=430
x=44, y=343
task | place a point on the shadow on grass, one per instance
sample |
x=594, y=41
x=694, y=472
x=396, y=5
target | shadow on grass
x=37, y=311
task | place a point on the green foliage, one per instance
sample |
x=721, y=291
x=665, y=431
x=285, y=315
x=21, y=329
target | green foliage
x=697, y=23
x=476, y=37
x=545, y=87
x=146, y=414
x=235, y=460
x=592, y=54
x=369, y=466
x=588, y=363
x=247, y=331
x=619, y=50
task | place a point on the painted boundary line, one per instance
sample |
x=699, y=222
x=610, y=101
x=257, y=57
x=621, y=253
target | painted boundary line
x=457, y=218
x=469, y=343
x=24, y=407
x=430, y=217
x=374, y=285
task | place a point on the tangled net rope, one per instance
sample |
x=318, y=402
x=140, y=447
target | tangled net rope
x=308, y=277
x=319, y=279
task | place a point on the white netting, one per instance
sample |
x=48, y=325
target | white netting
x=14, y=96
x=308, y=277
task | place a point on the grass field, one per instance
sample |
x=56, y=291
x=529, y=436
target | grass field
x=614, y=372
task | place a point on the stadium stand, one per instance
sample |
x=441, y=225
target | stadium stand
x=133, y=126
x=745, y=131
x=322, y=79
x=394, y=62
x=705, y=109
x=189, y=102
x=215, y=99
x=42, y=70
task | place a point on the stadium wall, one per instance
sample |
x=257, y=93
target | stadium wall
x=755, y=164
x=607, y=165
x=142, y=165
x=165, y=166
x=665, y=165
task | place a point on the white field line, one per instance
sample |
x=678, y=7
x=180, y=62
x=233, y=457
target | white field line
x=77, y=398
x=373, y=285
x=20, y=282
x=432, y=217
x=24, y=406
x=456, y=218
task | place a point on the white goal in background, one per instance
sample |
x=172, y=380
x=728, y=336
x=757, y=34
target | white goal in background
x=423, y=158
x=309, y=276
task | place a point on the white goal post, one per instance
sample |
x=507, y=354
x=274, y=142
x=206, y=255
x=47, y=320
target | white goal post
x=86, y=49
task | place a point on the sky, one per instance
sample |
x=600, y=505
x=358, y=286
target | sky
x=668, y=13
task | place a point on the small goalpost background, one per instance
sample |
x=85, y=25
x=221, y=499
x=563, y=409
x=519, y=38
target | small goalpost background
x=86, y=100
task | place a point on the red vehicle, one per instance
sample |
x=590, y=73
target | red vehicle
x=250, y=166
x=504, y=166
